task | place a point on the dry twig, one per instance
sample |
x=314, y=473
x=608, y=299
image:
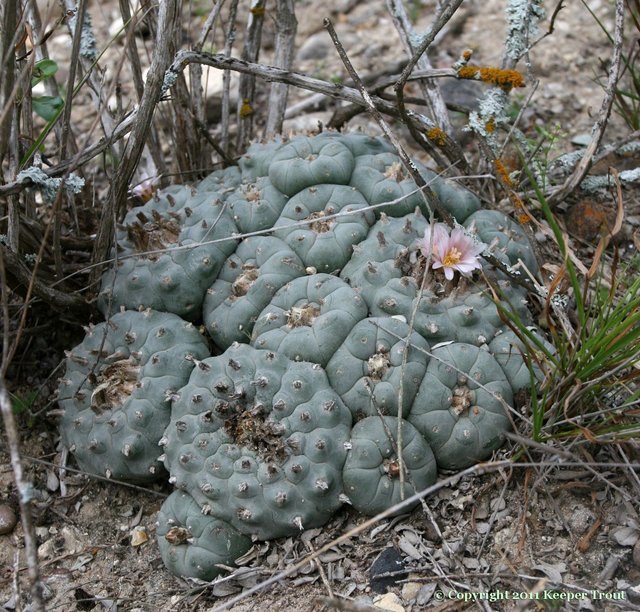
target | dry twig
x=25, y=495
x=597, y=131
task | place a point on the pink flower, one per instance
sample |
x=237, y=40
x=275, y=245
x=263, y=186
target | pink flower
x=455, y=252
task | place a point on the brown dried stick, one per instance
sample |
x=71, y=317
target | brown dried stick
x=597, y=132
x=268, y=73
x=230, y=36
x=453, y=151
x=247, y=86
x=287, y=25
x=430, y=91
x=167, y=23
x=25, y=494
x=430, y=197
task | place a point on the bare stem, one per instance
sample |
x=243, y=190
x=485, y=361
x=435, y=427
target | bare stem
x=25, y=493
x=598, y=129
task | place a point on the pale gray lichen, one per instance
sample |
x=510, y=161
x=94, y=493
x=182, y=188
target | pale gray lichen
x=491, y=109
x=48, y=185
x=170, y=79
x=630, y=147
x=88, y=45
x=560, y=301
x=415, y=39
x=30, y=258
x=567, y=162
x=592, y=183
x=522, y=18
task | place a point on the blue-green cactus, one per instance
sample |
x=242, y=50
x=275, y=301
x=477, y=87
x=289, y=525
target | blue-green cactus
x=332, y=276
x=380, y=356
x=116, y=389
x=372, y=470
x=462, y=405
x=508, y=238
x=248, y=281
x=193, y=544
x=168, y=257
x=259, y=441
x=309, y=318
x=306, y=162
x=336, y=217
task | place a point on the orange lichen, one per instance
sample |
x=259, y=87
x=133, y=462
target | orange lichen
x=502, y=77
x=517, y=200
x=523, y=218
x=503, y=173
x=466, y=54
x=437, y=136
x=490, y=126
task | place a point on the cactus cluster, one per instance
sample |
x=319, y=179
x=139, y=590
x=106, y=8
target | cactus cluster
x=339, y=367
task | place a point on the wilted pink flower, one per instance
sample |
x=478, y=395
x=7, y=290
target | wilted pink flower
x=457, y=251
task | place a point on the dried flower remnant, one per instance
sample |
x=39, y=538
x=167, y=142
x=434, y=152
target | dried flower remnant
x=501, y=77
x=146, y=187
x=457, y=252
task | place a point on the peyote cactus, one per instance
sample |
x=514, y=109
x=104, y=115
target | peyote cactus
x=461, y=406
x=256, y=206
x=194, y=544
x=385, y=269
x=381, y=178
x=309, y=318
x=509, y=352
x=331, y=321
x=116, y=391
x=492, y=226
x=248, y=281
x=326, y=242
x=168, y=254
x=259, y=441
x=372, y=470
x=371, y=366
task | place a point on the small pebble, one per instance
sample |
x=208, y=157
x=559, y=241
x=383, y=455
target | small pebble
x=8, y=519
x=390, y=602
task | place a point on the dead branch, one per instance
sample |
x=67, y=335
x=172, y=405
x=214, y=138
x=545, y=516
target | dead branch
x=285, y=46
x=600, y=125
x=117, y=195
x=25, y=495
x=20, y=277
x=268, y=73
x=247, y=86
x=429, y=195
x=226, y=78
x=430, y=90
x=452, y=150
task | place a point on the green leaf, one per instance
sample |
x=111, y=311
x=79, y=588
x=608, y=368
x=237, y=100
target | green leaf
x=47, y=107
x=23, y=403
x=43, y=69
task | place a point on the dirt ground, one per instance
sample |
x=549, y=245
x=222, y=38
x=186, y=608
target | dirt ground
x=508, y=540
